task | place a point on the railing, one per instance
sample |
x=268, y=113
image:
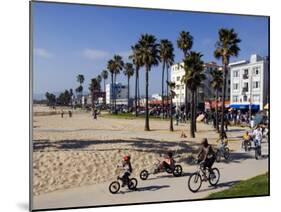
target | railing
x=245, y=76
x=245, y=89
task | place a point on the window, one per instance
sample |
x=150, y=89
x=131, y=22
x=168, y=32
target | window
x=245, y=98
x=245, y=75
x=178, y=78
x=245, y=88
x=256, y=84
x=256, y=98
x=256, y=71
x=235, y=86
x=236, y=73
x=235, y=98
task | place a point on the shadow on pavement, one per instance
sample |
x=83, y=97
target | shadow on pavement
x=146, y=188
x=220, y=185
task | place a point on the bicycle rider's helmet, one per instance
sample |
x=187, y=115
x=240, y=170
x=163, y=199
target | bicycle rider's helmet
x=170, y=154
x=126, y=158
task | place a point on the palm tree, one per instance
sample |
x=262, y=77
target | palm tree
x=94, y=88
x=111, y=68
x=185, y=43
x=104, y=75
x=149, y=54
x=99, y=78
x=226, y=47
x=193, y=66
x=118, y=67
x=129, y=71
x=167, y=59
x=71, y=96
x=172, y=86
x=216, y=84
x=135, y=57
x=80, y=79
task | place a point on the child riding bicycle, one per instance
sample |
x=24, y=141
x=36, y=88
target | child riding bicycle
x=127, y=170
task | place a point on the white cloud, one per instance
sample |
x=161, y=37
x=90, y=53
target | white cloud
x=94, y=54
x=42, y=53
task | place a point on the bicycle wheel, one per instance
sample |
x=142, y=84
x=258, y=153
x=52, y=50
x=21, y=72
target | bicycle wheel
x=132, y=184
x=168, y=170
x=194, y=182
x=226, y=153
x=177, y=171
x=114, y=187
x=214, y=177
x=144, y=174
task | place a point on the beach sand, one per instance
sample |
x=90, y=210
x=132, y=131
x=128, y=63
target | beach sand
x=72, y=152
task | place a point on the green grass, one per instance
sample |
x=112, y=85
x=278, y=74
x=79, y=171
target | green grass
x=255, y=186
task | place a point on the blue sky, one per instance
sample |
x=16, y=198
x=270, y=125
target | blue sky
x=76, y=39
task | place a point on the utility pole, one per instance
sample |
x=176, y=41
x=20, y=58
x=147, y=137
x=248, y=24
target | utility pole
x=250, y=98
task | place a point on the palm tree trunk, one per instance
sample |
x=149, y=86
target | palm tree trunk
x=163, y=89
x=112, y=93
x=167, y=76
x=128, y=92
x=136, y=91
x=139, y=91
x=223, y=97
x=104, y=101
x=195, y=109
x=171, y=116
x=217, y=115
x=192, y=134
x=146, y=128
x=186, y=106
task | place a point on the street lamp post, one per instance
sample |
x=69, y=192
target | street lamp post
x=250, y=98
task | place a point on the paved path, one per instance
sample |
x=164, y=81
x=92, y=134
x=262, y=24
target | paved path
x=161, y=187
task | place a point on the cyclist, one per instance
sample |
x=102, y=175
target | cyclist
x=257, y=134
x=168, y=162
x=246, y=139
x=127, y=168
x=206, y=155
x=223, y=140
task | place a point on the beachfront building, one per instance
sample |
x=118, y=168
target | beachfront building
x=204, y=93
x=249, y=83
x=121, y=93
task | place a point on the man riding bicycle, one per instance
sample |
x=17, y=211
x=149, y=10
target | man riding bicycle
x=206, y=155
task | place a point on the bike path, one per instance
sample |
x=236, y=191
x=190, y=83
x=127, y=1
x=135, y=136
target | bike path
x=161, y=187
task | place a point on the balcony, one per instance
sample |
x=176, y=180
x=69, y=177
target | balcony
x=245, y=89
x=245, y=76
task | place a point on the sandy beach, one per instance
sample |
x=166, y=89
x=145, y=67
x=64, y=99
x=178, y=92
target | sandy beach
x=79, y=151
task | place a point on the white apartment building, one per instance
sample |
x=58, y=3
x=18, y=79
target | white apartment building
x=121, y=93
x=205, y=92
x=249, y=83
